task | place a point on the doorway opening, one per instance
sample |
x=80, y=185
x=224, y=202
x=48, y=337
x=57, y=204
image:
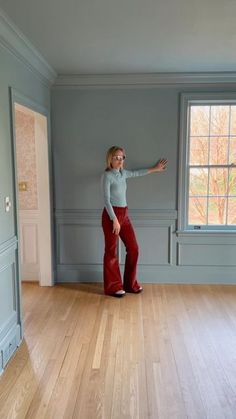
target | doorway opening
x=32, y=188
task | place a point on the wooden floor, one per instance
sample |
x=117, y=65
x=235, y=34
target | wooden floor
x=167, y=353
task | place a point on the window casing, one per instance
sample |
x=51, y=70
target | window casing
x=207, y=171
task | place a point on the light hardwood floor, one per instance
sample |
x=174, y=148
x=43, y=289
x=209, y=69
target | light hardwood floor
x=167, y=353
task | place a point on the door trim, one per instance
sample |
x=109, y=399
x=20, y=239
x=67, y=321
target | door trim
x=21, y=99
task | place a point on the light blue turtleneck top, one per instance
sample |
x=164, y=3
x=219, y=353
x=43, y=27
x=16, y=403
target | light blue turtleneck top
x=114, y=187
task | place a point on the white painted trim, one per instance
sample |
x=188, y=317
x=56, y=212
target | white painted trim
x=186, y=99
x=17, y=43
x=206, y=233
x=182, y=162
x=43, y=187
x=143, y=80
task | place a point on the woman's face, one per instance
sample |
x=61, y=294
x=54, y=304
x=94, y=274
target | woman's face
x=118, y=160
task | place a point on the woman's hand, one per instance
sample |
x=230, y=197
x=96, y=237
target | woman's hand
x=116, y=226
x=160, y=166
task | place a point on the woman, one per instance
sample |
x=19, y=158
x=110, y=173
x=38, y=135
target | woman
x=115, y=222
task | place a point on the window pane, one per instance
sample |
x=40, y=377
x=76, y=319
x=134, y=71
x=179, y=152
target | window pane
x=232, y=181
x=219, y=120
x=233, y=120
x=198, y=182
x=232, y=150
x=199, y=150
x=232, y=211
x=219, y=150
x=218, y=181
x=217, y=210
x=199, y=120
x=197, y=212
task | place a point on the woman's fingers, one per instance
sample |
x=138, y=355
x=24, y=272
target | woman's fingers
x=116, y=227
x=163, y=163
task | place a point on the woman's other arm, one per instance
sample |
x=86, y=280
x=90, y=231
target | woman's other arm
x=106, y=186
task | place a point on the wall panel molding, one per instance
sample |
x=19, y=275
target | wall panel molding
x=10, y=319
x=164, y=257
x=206, y=254
x=156, y=243
x=9, y=245
x=80, y=242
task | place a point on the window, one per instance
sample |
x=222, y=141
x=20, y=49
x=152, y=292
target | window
x=208, y=163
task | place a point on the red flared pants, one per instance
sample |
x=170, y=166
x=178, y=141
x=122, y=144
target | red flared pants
x=111, y=271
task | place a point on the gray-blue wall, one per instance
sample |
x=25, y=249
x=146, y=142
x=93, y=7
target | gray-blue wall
x=13, y=73
x=85, y=122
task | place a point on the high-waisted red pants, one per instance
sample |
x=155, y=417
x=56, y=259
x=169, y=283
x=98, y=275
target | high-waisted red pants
x=111, y=271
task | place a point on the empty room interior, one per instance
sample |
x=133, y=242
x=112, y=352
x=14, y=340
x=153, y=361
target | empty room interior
x=117, y=209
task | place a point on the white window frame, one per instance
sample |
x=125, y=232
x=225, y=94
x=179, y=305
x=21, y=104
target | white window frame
x=186, y=100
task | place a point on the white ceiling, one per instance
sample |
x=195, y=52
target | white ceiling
x=129, y=36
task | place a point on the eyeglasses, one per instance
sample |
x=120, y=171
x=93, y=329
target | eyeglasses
x=119, y=158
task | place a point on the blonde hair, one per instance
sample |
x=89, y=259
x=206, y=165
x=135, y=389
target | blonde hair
x=110, y=153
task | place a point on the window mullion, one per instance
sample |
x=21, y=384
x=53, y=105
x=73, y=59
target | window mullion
x=227, y=199
x=208, y=177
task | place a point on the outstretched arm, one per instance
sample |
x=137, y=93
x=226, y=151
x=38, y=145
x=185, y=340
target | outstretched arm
x=160, y=166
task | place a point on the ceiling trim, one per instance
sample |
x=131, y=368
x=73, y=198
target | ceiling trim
x=143, y=80
x=17, y=43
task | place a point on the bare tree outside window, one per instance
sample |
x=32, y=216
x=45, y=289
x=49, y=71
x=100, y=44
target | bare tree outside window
x=212, y=165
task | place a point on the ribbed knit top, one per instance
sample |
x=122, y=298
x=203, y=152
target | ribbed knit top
x=114, y=187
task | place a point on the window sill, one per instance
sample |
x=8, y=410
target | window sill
x=205, y=233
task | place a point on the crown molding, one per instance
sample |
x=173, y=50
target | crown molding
x=143, y=80
x=16, y=42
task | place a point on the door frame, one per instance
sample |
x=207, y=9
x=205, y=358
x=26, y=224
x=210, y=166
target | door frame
x=17, y=97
